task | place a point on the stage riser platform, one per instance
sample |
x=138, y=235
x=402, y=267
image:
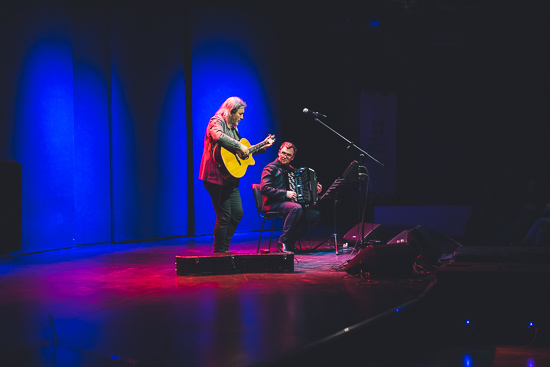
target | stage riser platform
x=234, y=264
x=469, y=275
x=517, y=255
x=490, y=267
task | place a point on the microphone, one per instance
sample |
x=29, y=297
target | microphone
x=316, y=114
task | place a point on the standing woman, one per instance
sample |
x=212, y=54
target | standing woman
x=222, y=131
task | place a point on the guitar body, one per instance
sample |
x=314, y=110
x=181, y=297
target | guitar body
x=233, y=166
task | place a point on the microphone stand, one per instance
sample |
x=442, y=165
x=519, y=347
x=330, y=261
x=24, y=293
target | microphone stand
x=361, y=175
x=350, y=143
x=333, y=190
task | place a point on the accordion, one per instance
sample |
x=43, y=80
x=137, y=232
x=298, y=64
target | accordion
x=303, y=181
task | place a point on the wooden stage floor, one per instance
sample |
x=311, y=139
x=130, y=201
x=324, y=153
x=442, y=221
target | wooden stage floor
x=124, y=305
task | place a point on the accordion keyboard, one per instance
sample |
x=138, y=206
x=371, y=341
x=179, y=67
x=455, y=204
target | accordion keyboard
x=303, y=181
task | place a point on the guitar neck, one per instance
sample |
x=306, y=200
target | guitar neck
x=256, y=147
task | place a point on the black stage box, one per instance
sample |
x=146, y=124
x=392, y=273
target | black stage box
x=205, y=265
x=235, y=264
x=11, y=194
x=265, y=263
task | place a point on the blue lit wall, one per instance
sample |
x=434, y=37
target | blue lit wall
x=148, y=117
x=92, y=183
x=232, y=56
x=97, y=119
x=97, y=106
x=43, y=140
x=60, y=127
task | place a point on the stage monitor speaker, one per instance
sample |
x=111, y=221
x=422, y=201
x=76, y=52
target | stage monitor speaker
x=400, y=238
x=429, y=250
x=373, y=234
x=11, y=223
x=383, y=260
x=354, y=235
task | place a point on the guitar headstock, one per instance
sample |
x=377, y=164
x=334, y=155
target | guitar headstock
x=270, y=139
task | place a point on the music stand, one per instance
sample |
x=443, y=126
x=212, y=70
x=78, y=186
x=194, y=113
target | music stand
x=352, y=174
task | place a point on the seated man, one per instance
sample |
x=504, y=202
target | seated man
x=278, y=197
x=539, y=233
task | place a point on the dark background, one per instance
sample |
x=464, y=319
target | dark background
x=472, y=87
x=471, y=84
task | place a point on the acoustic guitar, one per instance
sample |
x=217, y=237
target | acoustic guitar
x=231, y=165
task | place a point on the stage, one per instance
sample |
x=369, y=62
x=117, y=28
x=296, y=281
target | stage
x=124, y=305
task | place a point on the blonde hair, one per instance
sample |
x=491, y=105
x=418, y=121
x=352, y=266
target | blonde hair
x=231, y=105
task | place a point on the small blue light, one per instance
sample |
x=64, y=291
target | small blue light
x=467, y=322
x=530, y=324
x=374, y=23
x=467, y=360
x=114, y=357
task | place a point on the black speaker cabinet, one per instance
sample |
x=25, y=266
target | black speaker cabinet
x=383, y=260
x=354, y=234
x=235, y=264
x=428, y=248
x=11, y=227
x=373, y=234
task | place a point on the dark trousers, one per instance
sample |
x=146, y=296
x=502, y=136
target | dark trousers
x=298, y=220
x=226, y=200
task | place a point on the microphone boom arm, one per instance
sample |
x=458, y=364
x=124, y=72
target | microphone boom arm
x=351, y=144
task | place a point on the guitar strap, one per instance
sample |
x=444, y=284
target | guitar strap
x=238, y=135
